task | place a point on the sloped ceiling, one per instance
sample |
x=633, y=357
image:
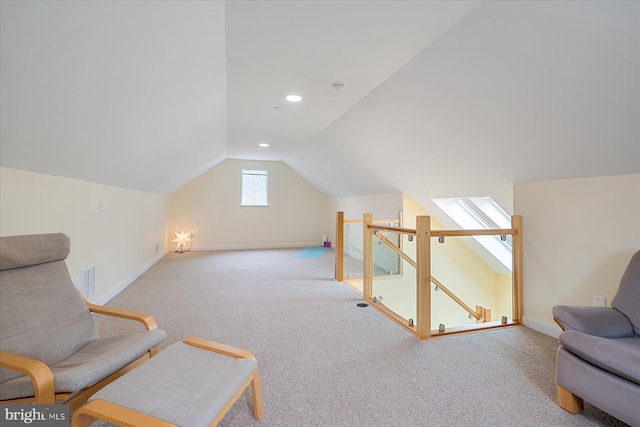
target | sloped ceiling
x=131, y=94
x=516, y=91
x=442, y=98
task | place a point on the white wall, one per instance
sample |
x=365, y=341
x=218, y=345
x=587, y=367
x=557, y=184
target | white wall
x=120, y=242
x=382, y=206
x=210, y=208
x=578, y=237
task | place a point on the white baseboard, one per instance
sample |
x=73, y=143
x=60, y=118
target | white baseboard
x=244, y=247
x=550, y=330
x=115, y=291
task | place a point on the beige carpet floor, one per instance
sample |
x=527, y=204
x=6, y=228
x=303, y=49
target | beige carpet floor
x=326, y=362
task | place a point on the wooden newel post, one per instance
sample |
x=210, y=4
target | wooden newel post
x=339, y=247
x=367, y=261
x=423, y=279
x=516, y=225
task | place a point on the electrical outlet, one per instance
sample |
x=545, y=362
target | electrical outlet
x=599, y=301
x=157, y=247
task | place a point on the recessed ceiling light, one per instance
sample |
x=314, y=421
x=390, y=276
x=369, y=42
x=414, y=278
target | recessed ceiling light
x=263, y=145
x=293, y=98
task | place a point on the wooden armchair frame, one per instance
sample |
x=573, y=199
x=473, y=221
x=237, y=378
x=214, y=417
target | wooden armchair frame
x=42, y=377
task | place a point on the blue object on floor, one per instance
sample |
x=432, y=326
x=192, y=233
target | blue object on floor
x=311, y=252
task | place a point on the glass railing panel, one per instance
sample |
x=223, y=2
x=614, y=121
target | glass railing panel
x=397, y=292
x=353, y=255
x=385, y=260
x=475, y=278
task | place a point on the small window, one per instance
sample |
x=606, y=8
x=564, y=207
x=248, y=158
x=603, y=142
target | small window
x=254, y=188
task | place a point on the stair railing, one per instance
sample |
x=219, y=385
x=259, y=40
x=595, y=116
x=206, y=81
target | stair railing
x=479, y=316
x=422, y=264
x=340, y=245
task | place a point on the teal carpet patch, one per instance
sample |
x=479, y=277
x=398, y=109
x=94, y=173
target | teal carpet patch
x=311, y=252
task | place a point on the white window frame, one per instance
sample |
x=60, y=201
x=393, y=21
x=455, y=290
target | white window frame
x=245, y=198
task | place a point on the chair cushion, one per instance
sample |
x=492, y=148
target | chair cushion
x=183, y=384
x=90, y=364
x=627, y=299
x=42, y=316
x=620, y=356
x=23, y=251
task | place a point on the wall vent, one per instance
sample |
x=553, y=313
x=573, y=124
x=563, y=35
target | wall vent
x=88, y=282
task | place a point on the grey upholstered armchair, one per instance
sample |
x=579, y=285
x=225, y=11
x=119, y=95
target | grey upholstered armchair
x=49, y=346
x=599, y=359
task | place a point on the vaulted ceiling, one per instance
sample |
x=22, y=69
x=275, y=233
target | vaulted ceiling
x=441, y=99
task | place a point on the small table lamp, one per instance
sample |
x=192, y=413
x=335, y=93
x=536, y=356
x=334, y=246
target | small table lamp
x=181, y=239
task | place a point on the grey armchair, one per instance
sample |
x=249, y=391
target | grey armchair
x=49, y=346
x=599, y=357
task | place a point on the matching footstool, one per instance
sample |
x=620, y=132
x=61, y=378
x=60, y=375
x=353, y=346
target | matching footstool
x=189, y=384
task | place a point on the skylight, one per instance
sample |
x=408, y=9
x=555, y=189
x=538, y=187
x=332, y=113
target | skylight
x=489, y=207
x=481, y=213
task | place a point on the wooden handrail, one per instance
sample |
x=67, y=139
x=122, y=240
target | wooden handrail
x=484, y=232
x=451, y=233
x=396, y=249
x=455, y=298
x=399, y=230
x=406, y=257
x=375, y=221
